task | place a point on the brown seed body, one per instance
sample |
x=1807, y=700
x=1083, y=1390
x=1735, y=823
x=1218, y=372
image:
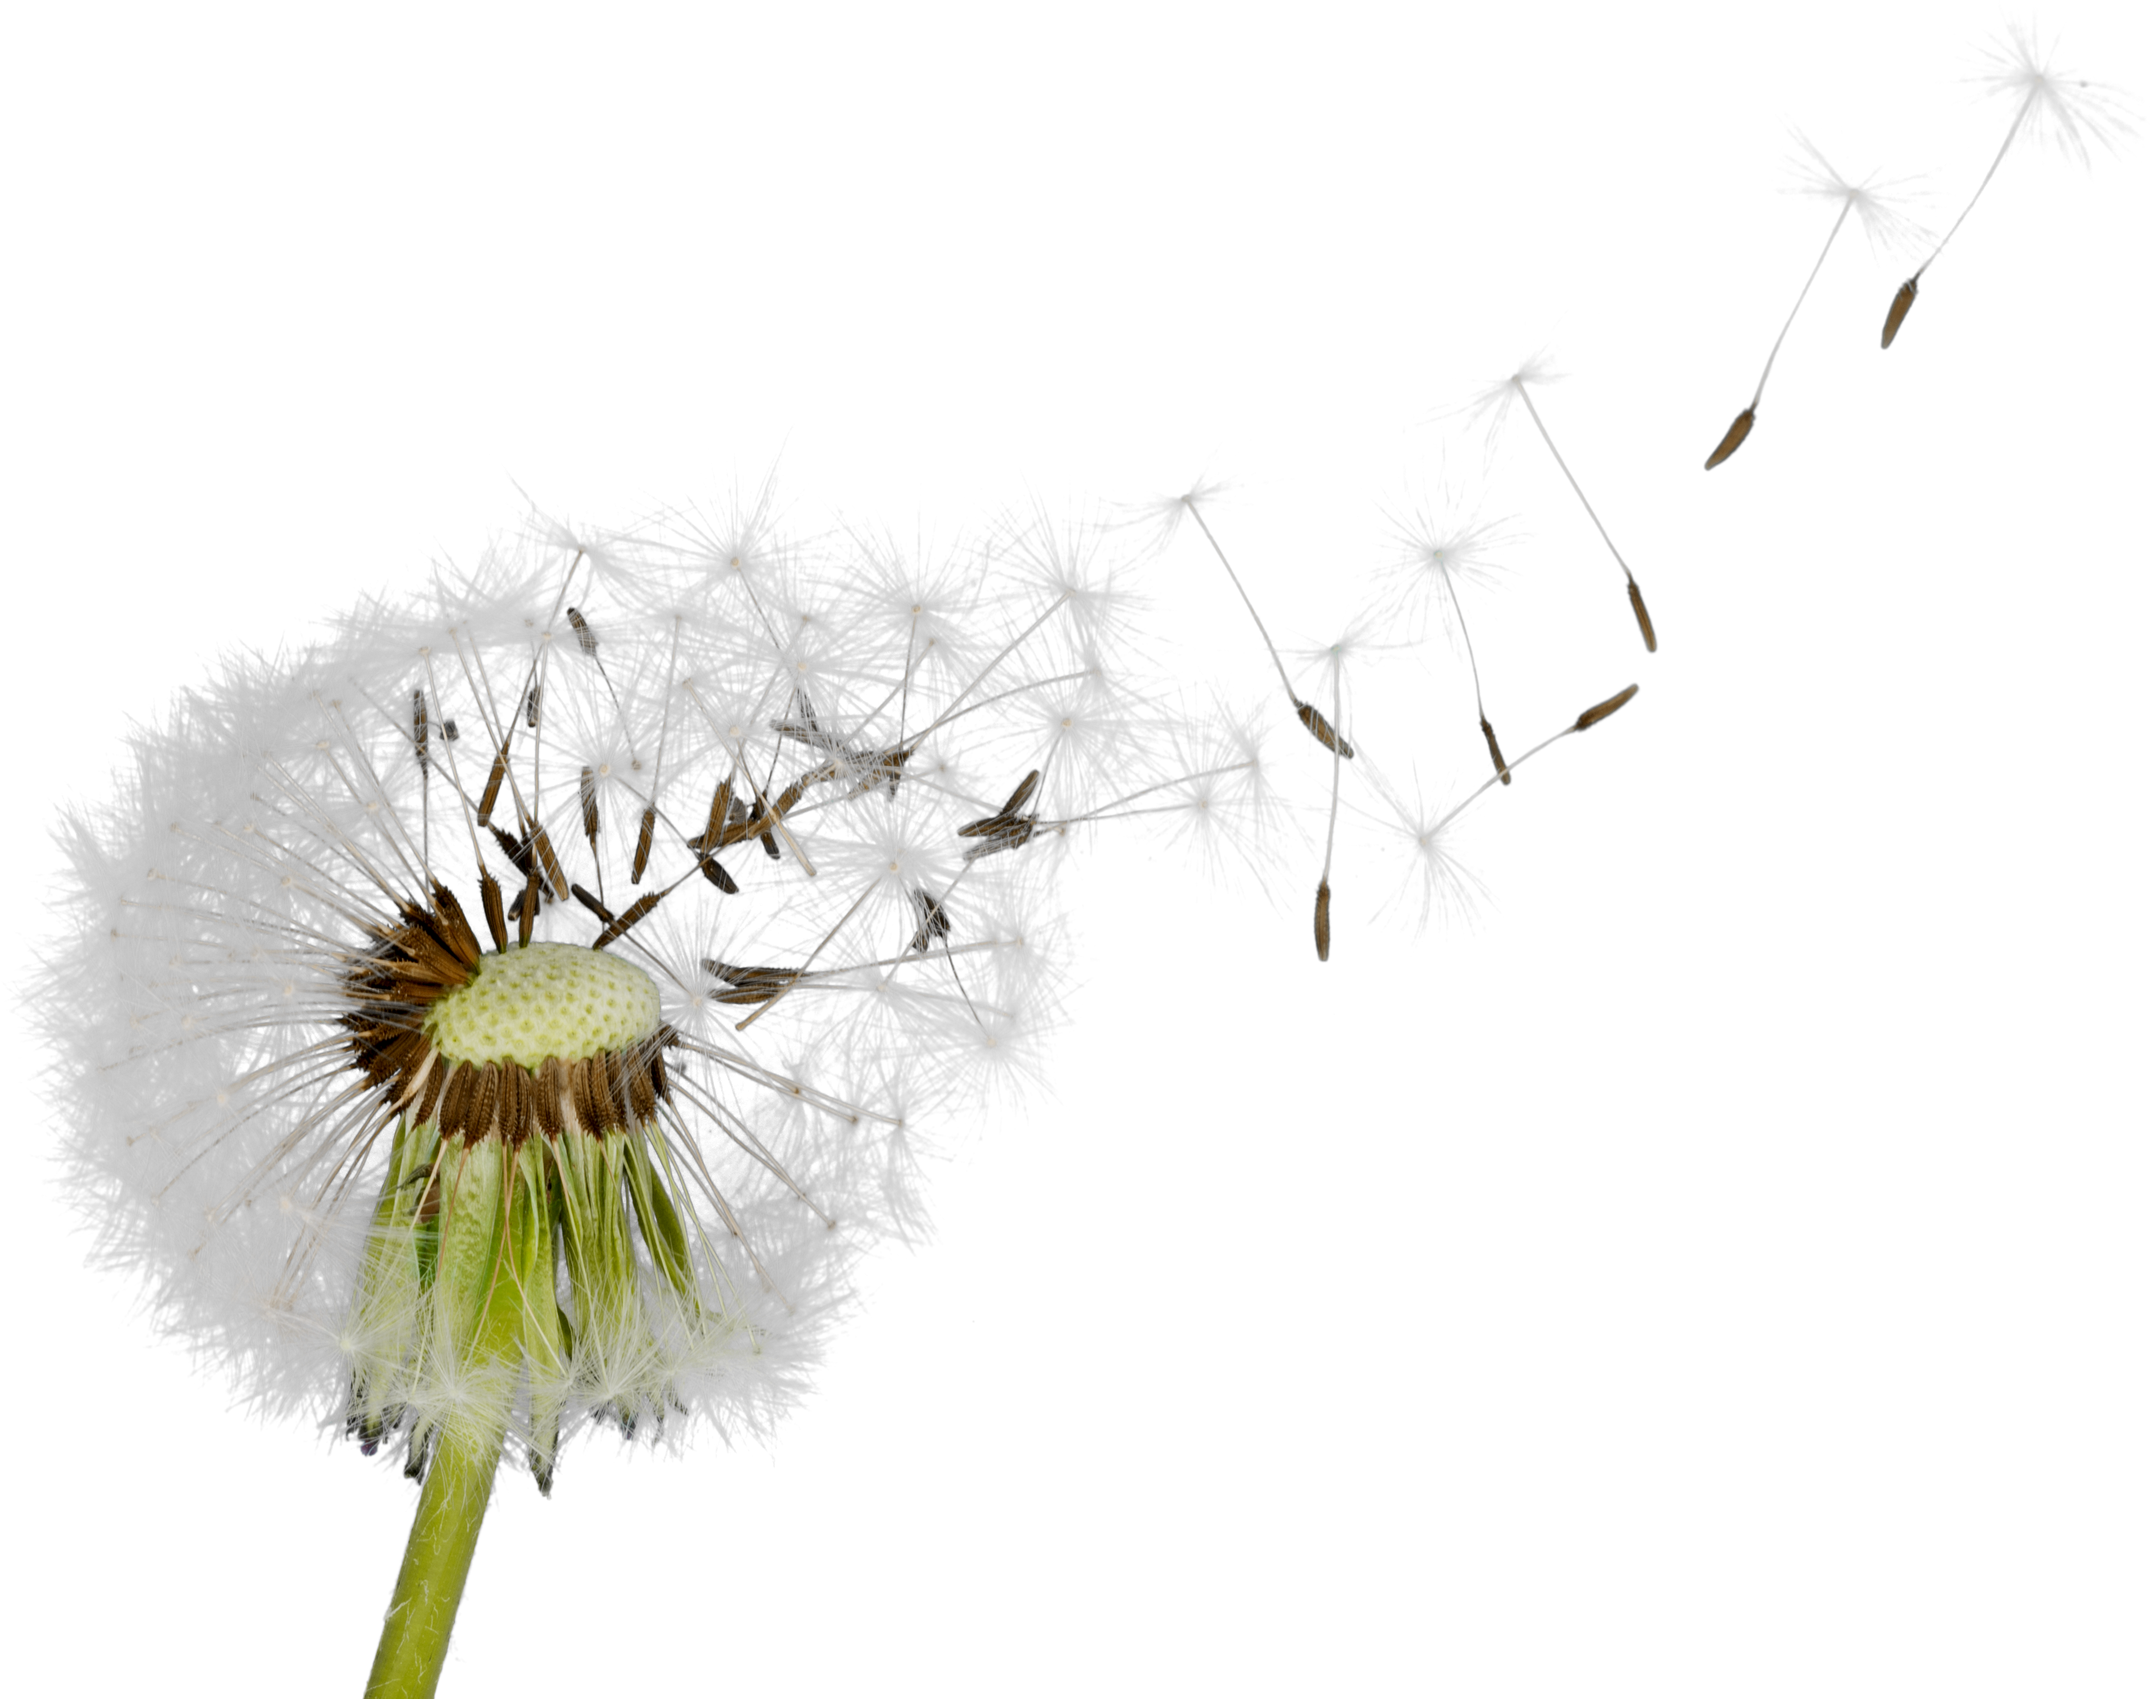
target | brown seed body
x=1600, y=710
x=642, y=845
x=1322, y=921
x=489, y=891
x=1900, y=305
x=1320, y=729
x=492, y=792
x=1494, y=749
x=1736, y=435
x=546, y=1096
x=1643, y=618
x=628, y=917
x=456, y=931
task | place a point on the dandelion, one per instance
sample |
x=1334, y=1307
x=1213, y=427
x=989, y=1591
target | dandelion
x=2045, y=113
x=1438, y=554
x=516, y=1012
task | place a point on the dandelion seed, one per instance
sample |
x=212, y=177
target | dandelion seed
x=1437, y=556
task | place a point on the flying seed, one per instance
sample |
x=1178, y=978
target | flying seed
x=642, y=844
x=933, y=918
x=418, y=727
x=589, y=789
x=1320, y=728
x=1600, y=710
x=1900, y=305
x=628, y=917
x=1494, y=749
x=583, y=634
x=713, y=870
x=1022, y=794
x=530, y=706
x=1736, y=435
x=1643, y=618
x=1322, y=921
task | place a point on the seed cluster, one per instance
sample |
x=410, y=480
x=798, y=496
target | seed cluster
x=429, y=966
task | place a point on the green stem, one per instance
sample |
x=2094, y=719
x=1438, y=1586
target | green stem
x=478, y=1317
x=429, y=1587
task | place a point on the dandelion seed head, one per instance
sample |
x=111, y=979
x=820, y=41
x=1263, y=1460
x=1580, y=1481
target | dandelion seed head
x=660, y=963
x=2054, y=106
x=1883, y=205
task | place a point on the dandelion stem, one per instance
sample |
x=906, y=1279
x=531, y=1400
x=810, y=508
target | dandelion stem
x=1993, y=166
x=465, y=1454
x=437, y=1561
x=1814, y=270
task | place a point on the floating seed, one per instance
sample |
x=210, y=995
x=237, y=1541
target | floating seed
x=642, y=845
x=583, y=634
x=418, y=727
x=714, y=871
x=1320, y=728
x=1602, y=709
x=1022, y=794
x=530, y=706
x=1322, y=921
x=1735, y=436
x=1900, y=305
x=589, y=790
x=635, y=911
x=1494, y=749
x=1643, y=619
x=933, y=918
